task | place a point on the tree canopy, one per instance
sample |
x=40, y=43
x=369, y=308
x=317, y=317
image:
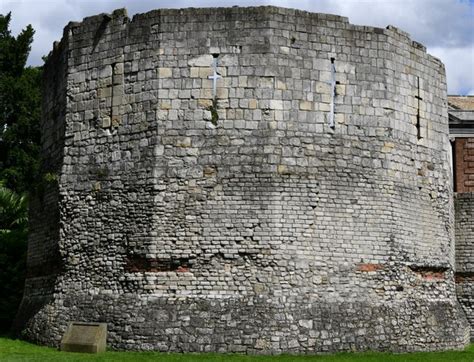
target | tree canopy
x=20, y=103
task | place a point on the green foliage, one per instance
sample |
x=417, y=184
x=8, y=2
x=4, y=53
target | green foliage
x=13, y=211
x=213, y=109
x=14, y=350
x=20, y=100
x=20, y=108
x=13, y=246
x=14, y=50
x=50, y=177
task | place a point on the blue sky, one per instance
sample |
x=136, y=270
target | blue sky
x=445, y=27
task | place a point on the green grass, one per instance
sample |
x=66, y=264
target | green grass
x=15, y=350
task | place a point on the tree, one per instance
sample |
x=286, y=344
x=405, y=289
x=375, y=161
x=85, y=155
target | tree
x=20, y=100
x=20, y=108
x=13, y=246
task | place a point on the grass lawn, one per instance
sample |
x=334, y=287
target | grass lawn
x=14, y=350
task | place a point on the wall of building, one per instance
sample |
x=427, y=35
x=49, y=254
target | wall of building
x=465, y=253
x=464, y=164
x=242, y=221
x=44, y=258
x=461, y=118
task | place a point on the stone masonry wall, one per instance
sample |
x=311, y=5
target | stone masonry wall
x=44, y=260
x=241, y=220
x=465, y=253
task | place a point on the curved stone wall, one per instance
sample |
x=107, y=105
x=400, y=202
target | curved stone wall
x=303, y=205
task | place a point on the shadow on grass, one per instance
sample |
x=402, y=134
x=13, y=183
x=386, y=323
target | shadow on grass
x=16, y=350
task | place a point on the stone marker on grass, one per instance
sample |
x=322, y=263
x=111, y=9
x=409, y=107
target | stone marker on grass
x=85, y=337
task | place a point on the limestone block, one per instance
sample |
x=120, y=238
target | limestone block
x=306, y=106
x=201, y=61
x=85, y=337
x=183, y=142
x=165, y=72
x=106, y=122
x=276, y=104
x=280, y=85
x=204, y=102
x=194, y=72
x=105, y=72
x=252, y=103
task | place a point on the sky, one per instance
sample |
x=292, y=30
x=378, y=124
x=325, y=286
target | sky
x=445, y=27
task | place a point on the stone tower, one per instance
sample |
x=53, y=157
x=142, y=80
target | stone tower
x=244, y=179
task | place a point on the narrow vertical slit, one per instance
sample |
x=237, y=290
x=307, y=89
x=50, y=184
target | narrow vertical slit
x=112, y=94
x=333, y=93
x=418, y=130
x=214, y=77
x=418, y=123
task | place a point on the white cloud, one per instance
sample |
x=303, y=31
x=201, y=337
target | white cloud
x=48, y=20
x=459, y=64
x=443, y=23
x=446, y=27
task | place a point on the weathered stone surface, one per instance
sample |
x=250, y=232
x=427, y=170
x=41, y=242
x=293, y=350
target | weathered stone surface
x=245, y=223
x=85, y=337
x=464, y=203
